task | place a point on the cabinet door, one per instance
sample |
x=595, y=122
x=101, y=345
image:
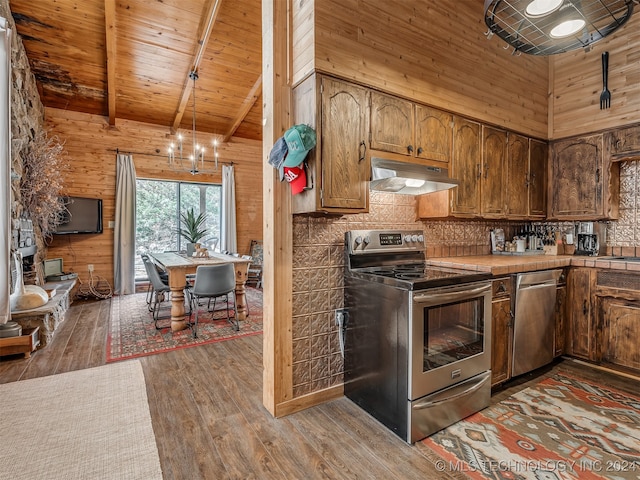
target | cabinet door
x=560, y=314
x=625, y=142
x=345, y=163
x=466, y=167
x=538, y=153
x=621, y=331
x=391, y=124
x=434, y=134
x=517, y=176
x=500, y=339
x=581, y=342
x=494, y=162
x=577, y=179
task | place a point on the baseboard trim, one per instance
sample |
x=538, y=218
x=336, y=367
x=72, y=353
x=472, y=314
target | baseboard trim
x=309, y=400
x=603, y=368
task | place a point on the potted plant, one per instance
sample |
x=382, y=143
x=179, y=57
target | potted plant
x=192, y=228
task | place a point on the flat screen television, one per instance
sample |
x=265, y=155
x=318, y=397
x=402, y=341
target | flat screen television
x=82, y=215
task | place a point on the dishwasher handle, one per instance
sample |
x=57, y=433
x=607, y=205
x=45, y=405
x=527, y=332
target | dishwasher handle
x=531, y=286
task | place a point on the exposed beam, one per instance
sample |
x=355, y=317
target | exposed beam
x=110, y=40
x=211, y=9
x=247, y=104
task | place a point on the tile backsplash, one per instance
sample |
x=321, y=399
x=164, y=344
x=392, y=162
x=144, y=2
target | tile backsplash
x=318, y=266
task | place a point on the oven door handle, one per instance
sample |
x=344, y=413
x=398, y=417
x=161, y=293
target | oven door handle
x=445, y=397
x=447, y=296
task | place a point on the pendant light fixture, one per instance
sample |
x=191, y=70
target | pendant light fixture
x=194, y=161
x=547, y=27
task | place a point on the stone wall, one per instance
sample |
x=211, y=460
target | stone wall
x=27, y=120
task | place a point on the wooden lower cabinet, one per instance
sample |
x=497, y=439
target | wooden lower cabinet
x=581, y=342
x=621, y=331
x=561, y=321
x=501, y=330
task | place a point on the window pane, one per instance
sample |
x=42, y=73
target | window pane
x=157, y=215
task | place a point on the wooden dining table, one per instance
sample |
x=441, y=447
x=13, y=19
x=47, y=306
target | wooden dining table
x=178, y=266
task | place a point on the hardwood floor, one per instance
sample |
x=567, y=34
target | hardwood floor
x=207, y=413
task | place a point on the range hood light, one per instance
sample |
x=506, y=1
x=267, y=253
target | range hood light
x=414, y=183
x=408, y=178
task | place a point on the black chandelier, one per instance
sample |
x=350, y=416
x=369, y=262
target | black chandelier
x=547, y=27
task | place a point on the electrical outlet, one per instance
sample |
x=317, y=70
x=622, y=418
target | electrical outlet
x=90, y=267
x=341, y=316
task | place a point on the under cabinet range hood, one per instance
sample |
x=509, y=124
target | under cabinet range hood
x=408, y=178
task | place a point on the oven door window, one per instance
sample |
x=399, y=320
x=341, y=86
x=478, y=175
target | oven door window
x=452, y=332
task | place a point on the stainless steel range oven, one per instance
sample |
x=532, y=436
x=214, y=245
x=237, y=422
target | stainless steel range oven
x=417, y=339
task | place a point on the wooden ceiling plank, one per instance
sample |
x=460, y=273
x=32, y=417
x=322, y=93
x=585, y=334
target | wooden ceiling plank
x=247, y=104
x=110, y=27
x=212, y=8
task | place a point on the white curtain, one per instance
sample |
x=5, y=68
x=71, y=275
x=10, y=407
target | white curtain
x=124, y=241
x=5, y=170
x=228, y=228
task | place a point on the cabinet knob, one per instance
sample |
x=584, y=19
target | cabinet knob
x=420, y=150
x=502, y=288
x=584, y=308
x=486, y=171
x=410, y=148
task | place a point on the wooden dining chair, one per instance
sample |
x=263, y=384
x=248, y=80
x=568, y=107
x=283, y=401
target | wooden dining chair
x=212, y=282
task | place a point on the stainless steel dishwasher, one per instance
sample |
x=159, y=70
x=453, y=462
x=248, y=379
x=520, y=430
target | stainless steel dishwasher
x=534, y=322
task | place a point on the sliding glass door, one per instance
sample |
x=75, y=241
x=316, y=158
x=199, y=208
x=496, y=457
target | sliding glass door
x=159, y=204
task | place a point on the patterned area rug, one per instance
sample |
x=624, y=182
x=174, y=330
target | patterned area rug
x=132, y=332
x=562, y=428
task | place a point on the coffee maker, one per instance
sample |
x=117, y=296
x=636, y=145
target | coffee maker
x=591, y=238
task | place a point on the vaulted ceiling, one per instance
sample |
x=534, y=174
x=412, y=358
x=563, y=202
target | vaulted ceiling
x=131, y=59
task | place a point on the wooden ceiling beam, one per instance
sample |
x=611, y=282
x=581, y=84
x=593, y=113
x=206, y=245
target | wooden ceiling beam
x=247, y=104
x=212, y=7
x=110, y=40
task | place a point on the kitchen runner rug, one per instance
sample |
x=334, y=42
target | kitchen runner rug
x=561, y=428
x=85, y=424
x=132, y=332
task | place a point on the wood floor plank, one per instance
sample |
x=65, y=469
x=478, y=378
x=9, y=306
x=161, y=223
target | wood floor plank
x=181, y=437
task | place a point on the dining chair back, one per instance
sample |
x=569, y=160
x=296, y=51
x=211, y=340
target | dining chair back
x=159, y=289
x=211, y=282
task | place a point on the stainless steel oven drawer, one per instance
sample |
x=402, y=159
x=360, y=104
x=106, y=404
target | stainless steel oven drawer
x=438, y=410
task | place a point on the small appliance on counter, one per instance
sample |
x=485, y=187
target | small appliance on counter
x=591, y=238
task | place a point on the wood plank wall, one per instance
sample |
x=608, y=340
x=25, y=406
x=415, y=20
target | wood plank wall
x=577, y=84
x=432, y=52
x=90, y=145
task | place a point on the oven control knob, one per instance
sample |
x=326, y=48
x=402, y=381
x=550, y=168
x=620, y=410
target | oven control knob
x=366, y=241
x=414, y=238
x=421, y=238
x=407, y=238
x=358, y=240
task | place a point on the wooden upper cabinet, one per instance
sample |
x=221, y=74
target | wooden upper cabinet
x=434, y=133
x=338, y=168
x=345, y=127
x=526, y=178
x=538, y=154
x=518, y=176
x=406, y=128
x=466, y=167
x=578, y=179
x=494, y=167
x=391, y=124
x=624, y=143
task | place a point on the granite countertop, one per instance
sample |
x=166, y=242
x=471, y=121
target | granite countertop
x=506, y=264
